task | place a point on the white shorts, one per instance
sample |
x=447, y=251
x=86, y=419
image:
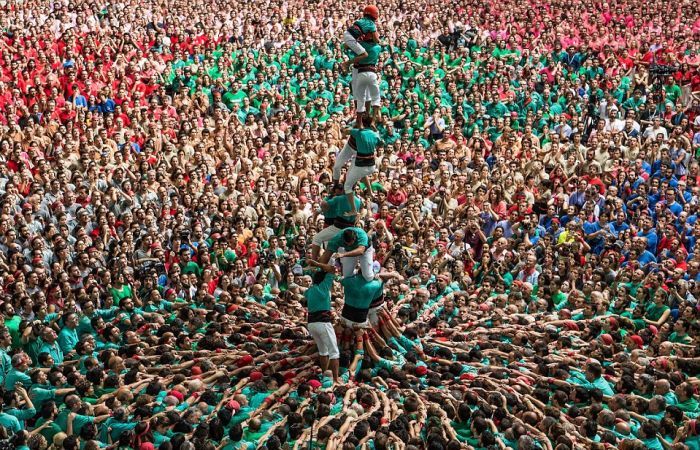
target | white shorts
x=373, y=315
x=347, y=323
x=325, y=235
x=366, y=86
x=324, y=337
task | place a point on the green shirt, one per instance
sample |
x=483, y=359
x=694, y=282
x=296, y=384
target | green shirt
x=373, y=51
x=50, y=431
x=67, y=339
x=54, y=350
x=117, y=428
x=120, y=294
x=78, y=423
x=339, y=206
x=359, y=293
x=318, y=296
x=365, y=24
x=10, y=422
x=12, y=325
x=21, y=414
x=366, y=140
x=40, y=393
x=14, y=377
x=337, y=241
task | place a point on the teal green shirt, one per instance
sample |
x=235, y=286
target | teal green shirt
x=5, y=365
x=366, y=140
x=21, y=414
x=10, y=422
x=78, y=423
x=67, y=339
x=318, y=296
x=339, y=205
x=337, y=241
x=40, y=393
x=373, y=51
x=117, y=428
x=365, y=24
x=359, y=293
x=54, y=350
x=14, y=377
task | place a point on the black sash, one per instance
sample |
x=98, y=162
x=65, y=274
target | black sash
x=320, y=316
x=354, y=314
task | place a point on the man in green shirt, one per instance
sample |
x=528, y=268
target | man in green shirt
x=51, y=346
x=20, y=364
x=351, y=244
x=363, y=166
x=366, y=80
x=362, y=38
x=73, y=404
x=334, y=208
x=318, y=302
x=359, y=294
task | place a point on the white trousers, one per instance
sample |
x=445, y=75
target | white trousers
x=345, y=155
x=351, y=42
x=325, y=235
x=355, y=174
x=366, y=259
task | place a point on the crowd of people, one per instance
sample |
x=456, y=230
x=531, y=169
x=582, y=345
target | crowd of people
x=206, y=243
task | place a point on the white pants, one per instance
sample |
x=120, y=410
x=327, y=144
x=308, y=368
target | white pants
x=351, y=42
x=373, y=315
x=366, y=259
x=345, y=155
x=366, y=85
x=325, y=235
x=355, y=174
x=324, y=337
x=347, y=323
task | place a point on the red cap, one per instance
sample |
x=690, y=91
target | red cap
x=371, y=11
x=289, y=375
x=421, y=371
x=255, y=376
x=654, y=330
x=233, y=404
x=244, y=361
x=315, y=384
x=571, y=325
x=177, y=394
x=146, y=446
x=606, y=339
x=637, y=339
x=196, y=370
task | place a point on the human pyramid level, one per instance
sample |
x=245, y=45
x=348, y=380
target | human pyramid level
x=292, y=224
x=363, y=296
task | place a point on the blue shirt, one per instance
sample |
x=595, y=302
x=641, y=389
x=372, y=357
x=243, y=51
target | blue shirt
x=652, y=239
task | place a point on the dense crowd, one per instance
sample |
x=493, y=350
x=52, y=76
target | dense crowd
x=528, y=229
